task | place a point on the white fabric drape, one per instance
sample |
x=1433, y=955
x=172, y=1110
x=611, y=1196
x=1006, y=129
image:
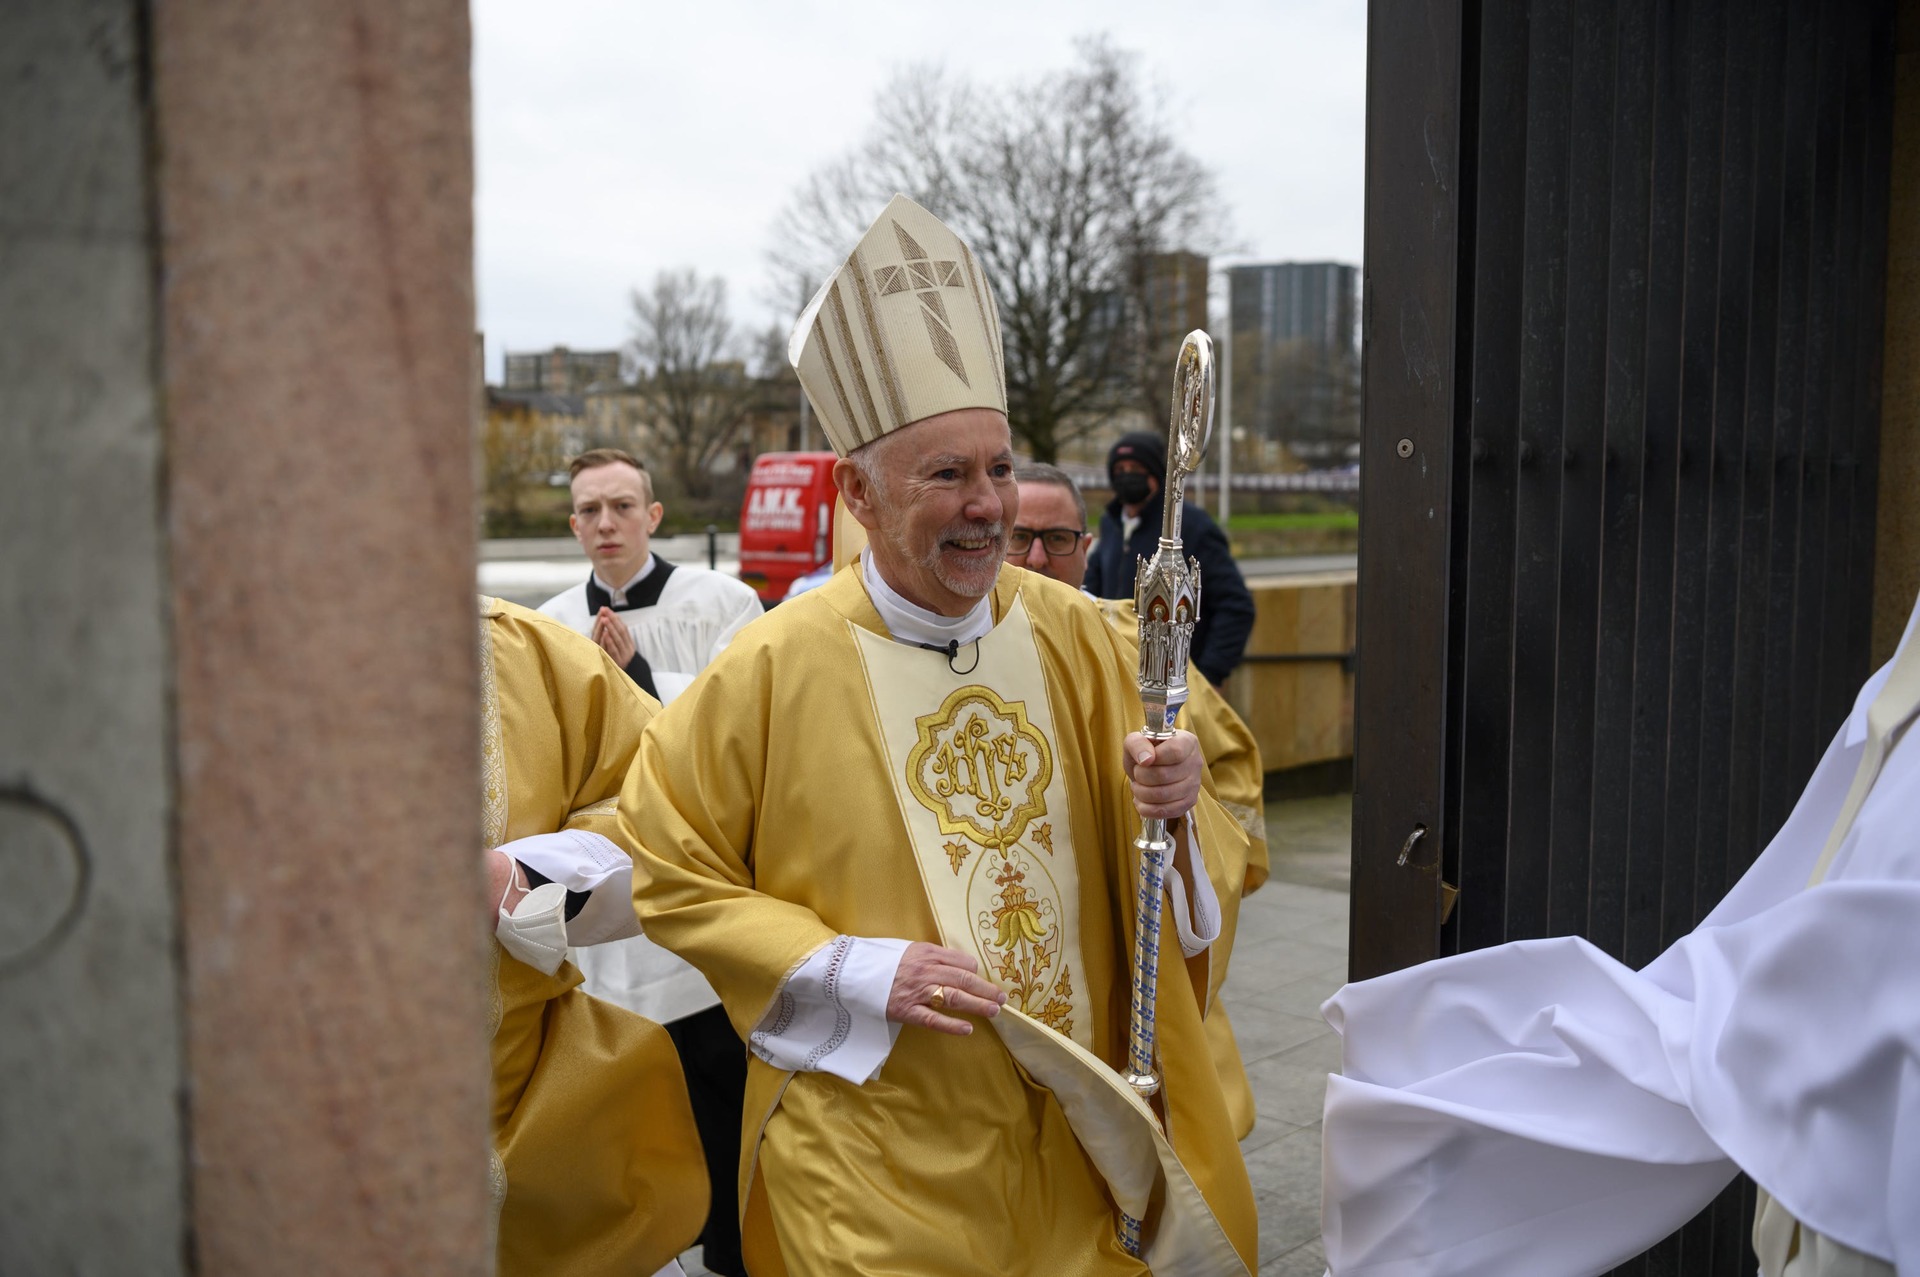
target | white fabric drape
x=583, y=861
x=1538, y=1108
x=537, y=930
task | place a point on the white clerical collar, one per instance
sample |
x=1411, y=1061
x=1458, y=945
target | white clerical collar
x=910, y=623
x=619, y=596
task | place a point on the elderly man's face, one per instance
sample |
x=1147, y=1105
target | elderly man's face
x=939, y=506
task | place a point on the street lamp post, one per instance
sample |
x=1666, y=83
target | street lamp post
x=1225, y=431
x=1223, y=428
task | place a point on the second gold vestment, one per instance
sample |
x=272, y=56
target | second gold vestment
x=598, y=1169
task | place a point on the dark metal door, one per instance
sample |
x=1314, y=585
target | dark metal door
x=1625, y=273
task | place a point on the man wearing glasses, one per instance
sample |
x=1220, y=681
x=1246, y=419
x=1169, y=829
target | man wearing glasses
x=1051, y=539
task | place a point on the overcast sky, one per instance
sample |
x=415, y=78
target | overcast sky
x=615, y=139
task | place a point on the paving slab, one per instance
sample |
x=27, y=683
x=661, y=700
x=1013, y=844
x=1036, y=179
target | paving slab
x=1286, y=1176
x=1308, y=1260
x=1263, y=1031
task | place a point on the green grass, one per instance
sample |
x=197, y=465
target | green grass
x=1294, y=522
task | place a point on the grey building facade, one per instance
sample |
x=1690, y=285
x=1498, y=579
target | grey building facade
x=560, y=371
x=1296, y=356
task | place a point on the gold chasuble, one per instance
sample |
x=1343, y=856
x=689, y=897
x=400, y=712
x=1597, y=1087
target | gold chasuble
x=597, y=1168
x=822, y=780
x=1239, y=779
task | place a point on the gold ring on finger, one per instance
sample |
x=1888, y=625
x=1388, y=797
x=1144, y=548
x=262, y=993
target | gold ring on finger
x=939, y=999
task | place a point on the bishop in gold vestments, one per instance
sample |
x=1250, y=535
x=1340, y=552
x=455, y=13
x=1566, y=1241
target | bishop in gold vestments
x=779, y=824
x=927, y=750
x=597, y=1169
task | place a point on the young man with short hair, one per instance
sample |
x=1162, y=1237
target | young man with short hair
x=662, y=623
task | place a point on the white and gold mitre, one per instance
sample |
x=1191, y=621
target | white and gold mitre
x=906, y=329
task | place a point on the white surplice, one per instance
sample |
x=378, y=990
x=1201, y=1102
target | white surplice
x=696, y=616
x=1540, y=1110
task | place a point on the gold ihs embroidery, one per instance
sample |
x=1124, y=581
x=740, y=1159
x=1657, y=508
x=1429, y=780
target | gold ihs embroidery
x=982, y=768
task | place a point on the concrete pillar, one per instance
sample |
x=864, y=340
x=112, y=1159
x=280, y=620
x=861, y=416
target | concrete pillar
x=92, y=1146
x=1897, y=543
x=241, y=946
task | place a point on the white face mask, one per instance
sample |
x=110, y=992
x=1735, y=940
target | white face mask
x=536, y=931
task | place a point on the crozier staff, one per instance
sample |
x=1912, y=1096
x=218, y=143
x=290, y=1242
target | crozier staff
x=1051, y=539
x=892, y=825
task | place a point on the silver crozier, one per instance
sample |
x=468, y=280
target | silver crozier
x=1166, y=590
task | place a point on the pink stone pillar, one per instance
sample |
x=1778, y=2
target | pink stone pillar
x=314, y=182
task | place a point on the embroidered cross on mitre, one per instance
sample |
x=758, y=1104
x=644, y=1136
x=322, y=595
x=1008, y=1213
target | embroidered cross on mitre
x=924, y=277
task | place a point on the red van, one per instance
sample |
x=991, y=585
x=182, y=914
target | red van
x=786, y=521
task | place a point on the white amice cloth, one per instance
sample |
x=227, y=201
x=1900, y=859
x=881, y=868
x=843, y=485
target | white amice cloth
x=1539, y=1108
x=830, y=1013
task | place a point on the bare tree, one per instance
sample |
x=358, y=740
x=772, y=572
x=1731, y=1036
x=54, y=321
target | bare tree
x=1068, y=187
x=690, y=373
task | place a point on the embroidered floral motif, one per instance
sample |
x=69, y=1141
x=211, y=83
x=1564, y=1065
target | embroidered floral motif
x=982, y=769
x=1020, y=935
x=496, y=1191
x=496, y=998
x=605, y=807
x=493, y=751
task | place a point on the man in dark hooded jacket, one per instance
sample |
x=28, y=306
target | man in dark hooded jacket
x=1130, y=528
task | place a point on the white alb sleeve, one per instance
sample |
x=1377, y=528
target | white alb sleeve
x=1196, y=911
x=590, y=863
x=830, y=1014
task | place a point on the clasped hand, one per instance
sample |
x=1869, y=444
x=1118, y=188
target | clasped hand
x=611, y=633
